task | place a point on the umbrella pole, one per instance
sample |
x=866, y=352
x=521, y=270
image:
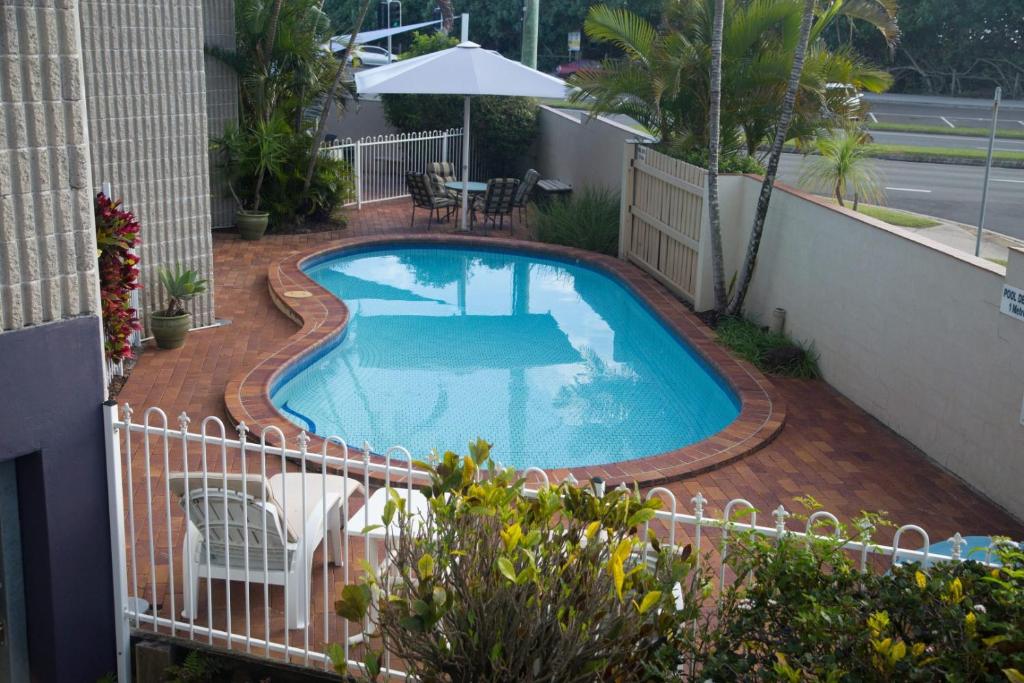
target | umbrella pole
x=465, y=163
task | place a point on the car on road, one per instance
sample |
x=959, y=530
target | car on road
x=569, y=68
x=371, y=55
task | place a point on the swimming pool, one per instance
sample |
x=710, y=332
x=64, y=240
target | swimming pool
x=557, y=364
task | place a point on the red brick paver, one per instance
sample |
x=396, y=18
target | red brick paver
x=828, y=448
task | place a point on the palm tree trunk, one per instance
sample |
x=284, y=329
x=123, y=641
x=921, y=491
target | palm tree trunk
x=325, y=112
x=714, y=124
x=781, y=131
x=447, y=15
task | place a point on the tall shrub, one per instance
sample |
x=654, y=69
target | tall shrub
x=117, y=233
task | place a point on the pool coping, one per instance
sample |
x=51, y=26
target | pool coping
x=322, y=317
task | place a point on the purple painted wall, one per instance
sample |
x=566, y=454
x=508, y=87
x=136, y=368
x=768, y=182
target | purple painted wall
x=51, y=421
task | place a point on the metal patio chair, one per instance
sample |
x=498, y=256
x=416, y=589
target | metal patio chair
x=523, y=193
x=424, y=196
x=497, y=201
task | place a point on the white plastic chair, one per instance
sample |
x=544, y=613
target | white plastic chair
x=281, y=542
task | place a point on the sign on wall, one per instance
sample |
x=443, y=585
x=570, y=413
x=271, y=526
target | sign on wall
x=1012, y=303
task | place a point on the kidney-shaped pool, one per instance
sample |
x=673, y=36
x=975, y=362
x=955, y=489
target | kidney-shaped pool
x=556, y=364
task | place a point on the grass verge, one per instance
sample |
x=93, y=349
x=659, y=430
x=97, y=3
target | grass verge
x=935, y=155
x=894, y=217
x=1004, y=134
x=775, y=354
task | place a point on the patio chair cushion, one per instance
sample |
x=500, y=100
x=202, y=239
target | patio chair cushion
x=423, y=193
x=526, y=186
x=442, y=172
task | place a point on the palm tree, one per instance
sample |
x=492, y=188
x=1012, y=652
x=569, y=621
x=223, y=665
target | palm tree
x=842, y=167
x=663, y=80
x=714, y=124
x=768, y=184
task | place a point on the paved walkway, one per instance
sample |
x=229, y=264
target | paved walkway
x=829, y=448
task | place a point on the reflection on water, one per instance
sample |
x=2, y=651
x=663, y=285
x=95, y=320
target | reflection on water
x=557, y=365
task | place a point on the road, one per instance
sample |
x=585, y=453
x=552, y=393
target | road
x=929, y=140
x=944, y=190
x=953, y=112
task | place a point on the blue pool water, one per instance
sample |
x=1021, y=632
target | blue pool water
x=556, y=364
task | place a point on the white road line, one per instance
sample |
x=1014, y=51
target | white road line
x=947, y=122
x=1007, y=180
x=907, y=189
x=1021, y=123
x=875, y=118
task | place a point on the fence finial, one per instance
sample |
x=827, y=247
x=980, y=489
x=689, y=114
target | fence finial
x=698, y=504
x=183, y=421
x=242, y=430
x=303, y=439
x=780, y=519
x=958, y=543
x=128, y=411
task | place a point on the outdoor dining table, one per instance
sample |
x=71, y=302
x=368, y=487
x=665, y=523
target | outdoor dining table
x=471, y=187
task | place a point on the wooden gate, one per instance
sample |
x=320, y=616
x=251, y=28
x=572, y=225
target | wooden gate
x=660, y=227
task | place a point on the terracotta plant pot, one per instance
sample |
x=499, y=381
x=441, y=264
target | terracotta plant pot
x=251, y=224
x=169, y=330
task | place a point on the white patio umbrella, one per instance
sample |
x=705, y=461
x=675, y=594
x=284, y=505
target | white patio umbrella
x=467, y=70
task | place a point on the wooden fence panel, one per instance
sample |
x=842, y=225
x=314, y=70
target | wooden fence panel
x=663, y=201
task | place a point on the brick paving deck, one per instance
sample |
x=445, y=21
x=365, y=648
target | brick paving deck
x=828, y=448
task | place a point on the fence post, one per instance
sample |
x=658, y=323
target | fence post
x=115, y=503
x=444, y=145
x=626, y=200
x=359, y=174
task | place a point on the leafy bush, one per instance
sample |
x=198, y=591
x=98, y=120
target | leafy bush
x=496, y=586
x=734, y=162
x=117, y=233
x=774, y=353
x=501, y=128
x=588, y=219
x=802, y=611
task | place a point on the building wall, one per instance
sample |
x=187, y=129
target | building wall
x=145, y=87
x=221, y=99
x=907, y=328
x=47, y=240
x=581, y=152
x=51, y=365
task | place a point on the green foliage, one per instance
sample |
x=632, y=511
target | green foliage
x=588, y=219
x=664, y=80
x=943, y=129
x=802, y=611
x=502, y=128
x=904, y=219
x=196, y=668
x=496, y=585
x=180, y=286
x=736, y=162
x=266, y=155
x=842, y=167
x=955, y=48
x=498, y=25
x=774, y=353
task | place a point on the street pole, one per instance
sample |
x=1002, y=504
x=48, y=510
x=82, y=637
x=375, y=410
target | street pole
x=531, y=21
x=988, y=168
x=389, y=28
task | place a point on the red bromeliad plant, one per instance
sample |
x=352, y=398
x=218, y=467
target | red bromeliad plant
x=117, y=233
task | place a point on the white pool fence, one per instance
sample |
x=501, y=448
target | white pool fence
x=155, y=551
x=380, y=162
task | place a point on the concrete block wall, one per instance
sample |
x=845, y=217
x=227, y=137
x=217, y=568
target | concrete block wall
x=221, y=98
x=907, y=328
x=146, y=92
x=47, y=235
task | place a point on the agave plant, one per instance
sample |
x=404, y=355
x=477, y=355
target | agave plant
x=181, y=286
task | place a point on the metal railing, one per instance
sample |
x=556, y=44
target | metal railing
x=158, y=544
x=380, y=162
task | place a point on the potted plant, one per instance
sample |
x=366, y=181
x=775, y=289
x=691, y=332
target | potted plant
x=248, y=155
x=170, y=324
